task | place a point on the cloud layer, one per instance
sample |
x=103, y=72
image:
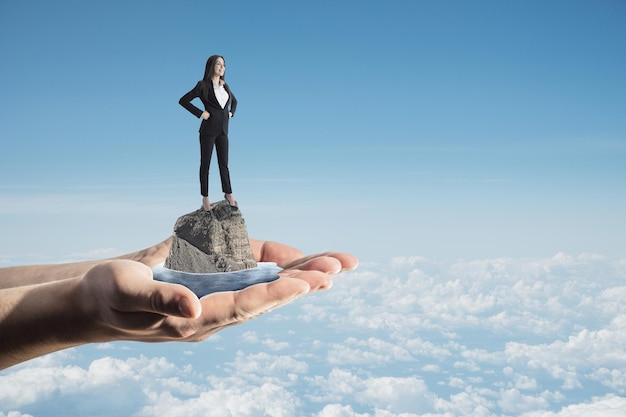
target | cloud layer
x=413, y=337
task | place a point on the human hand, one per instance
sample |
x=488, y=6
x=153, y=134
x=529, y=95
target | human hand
x=125, y=303
x=230, y=114
x=47, y=308
x=205, y=115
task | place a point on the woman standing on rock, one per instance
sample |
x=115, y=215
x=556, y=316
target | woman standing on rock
x=219, y=106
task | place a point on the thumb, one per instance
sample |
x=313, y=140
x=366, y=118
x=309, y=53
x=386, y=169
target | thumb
x=136, y=291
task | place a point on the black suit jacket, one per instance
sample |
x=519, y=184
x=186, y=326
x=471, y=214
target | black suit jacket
x=217, y=124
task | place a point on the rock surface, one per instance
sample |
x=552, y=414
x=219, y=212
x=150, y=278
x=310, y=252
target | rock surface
x=209, y=243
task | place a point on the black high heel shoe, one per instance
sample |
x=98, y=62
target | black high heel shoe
x=232, y=206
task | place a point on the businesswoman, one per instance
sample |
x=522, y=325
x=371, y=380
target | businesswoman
x=219, y=106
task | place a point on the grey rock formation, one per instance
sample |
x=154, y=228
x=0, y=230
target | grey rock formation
x=209, y=243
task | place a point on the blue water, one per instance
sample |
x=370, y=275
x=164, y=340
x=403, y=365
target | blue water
x=203, y=284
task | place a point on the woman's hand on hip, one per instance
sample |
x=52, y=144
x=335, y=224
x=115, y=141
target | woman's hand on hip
x=205, y=115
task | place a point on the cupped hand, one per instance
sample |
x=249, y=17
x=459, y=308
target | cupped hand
x=126, y=303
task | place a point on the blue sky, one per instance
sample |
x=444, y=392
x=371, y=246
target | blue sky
x=472, y=154
x=451, y=129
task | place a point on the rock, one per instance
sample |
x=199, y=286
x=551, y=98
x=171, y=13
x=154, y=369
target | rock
x=208, y=243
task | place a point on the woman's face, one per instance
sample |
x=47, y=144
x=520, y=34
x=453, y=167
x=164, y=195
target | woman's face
x=219, y=68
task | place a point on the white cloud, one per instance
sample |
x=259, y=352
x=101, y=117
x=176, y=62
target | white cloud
x=614, y=379
x=156, y=386
x=250, y=337
x=14, y=414
x=520, y=382
x=104, y=376
x=396, y=394
x=430, y=368
x=606, y=406
x=372, y=350
x=265, y=365
x=466, y=403
x=414, y=337
x=582, y=352
x=225, y=400
x=513, y=401
x=272, y=344
x=338, y=410
x=32, y=384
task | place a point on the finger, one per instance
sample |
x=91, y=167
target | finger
x=325, y=264
x=237, y=307
x=348, y=262
x=316, y=280
x=257, y=300
x=273, y=252
x=173, y=300
x=329, y=262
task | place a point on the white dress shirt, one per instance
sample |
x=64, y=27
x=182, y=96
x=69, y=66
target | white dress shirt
x=220, y=94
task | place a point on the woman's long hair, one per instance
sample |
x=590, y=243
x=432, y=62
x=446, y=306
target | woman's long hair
x=210, y=67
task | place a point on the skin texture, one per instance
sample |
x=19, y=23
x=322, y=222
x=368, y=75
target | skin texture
x=46, y=308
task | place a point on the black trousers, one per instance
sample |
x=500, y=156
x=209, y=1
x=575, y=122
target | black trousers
x=220, y=143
